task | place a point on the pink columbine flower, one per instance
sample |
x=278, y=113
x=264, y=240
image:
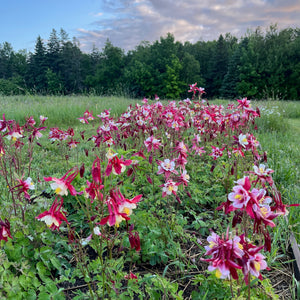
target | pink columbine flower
x=152, y=143
x=181, y=148
x=54, y=216
x=14, y=135
x=216, y=152
x=224, y=252
x=63, y=184
x=166, y=167
x=134, y=239
x=253, y=262
x=240, y=195
x=5, y=230
x=184, y=177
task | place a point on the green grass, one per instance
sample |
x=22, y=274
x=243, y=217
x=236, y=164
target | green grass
x=60, y=109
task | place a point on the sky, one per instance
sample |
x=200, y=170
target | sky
x=126, y=23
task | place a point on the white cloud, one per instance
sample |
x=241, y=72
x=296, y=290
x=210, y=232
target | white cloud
x=128, y=22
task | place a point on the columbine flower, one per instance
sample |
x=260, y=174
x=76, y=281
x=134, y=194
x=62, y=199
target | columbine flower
x=217, y=152
x=119, y=208
x=14, y=135
x=43, y=119
x=73, y=144
x=169, y=188
x=115, y=164
x=243, y=140
x=253, y=261
x=166, y=167
x=184, y=177
x=134, y=239
x=224, y=252
x=62, y=185
x=152, y=143
x=240, y=195
x=24, y=186
x=4, y=230
x=54, y=216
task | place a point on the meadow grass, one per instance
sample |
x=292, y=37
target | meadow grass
x=61, y=110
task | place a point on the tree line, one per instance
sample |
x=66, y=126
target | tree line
x=262, y=64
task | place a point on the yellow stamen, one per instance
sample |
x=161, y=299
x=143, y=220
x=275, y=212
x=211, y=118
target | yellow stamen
x=126, y=210
x=257, y=266
x=264, y=211
x=218, y=273
x=238, y=196
x=58, y=190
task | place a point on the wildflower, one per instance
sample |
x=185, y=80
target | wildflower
x=169, y=188
x=152, y=143
x=73, y=144
x=181, y=149
x=63, y=184
x=115, y=164
x=166, y=167
x=217, y=152
x=4, y=230
x=184, y=177
x=224, y=252
x=24, y=186
x=134, y=239
x=4, y=124
x=14, y=135
x=130, y=276
x=42, y=119
x=240, y=195
x=119, y=208
x=243, y=140
x=54, y=216
x=253, y=261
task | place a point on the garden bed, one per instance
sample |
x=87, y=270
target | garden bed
x=164, y=201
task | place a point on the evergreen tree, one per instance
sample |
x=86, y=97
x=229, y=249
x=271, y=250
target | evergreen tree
x=36, y=75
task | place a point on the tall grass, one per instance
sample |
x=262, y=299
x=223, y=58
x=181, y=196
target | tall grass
x=61, y=110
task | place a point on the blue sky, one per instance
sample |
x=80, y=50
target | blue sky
x=128, y=22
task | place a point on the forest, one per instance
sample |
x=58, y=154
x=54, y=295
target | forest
x=263, y=64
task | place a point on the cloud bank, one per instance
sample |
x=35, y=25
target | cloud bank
x=128, y=22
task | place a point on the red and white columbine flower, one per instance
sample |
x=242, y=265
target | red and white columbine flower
x=166, y=167
x=54, y=216
x=240, y=195
x=243, y=140
x=152, y=143
x=43, y=119
x=115, y=164
x=169, y=188
x=230, y=254
x=224, y=252
x=119, y=208
x=62, y=185
x=24, y=186
x=217, y=152
x=4, y=230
